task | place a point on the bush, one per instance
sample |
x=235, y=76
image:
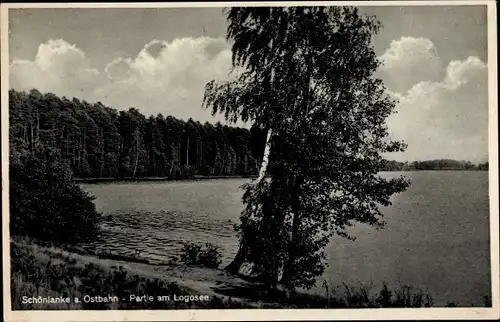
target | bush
x=46, y=204
x=190, y=254
x=194, y=254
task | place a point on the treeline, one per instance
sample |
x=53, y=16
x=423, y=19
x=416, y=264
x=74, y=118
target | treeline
x=439, y=164
x=99, y=141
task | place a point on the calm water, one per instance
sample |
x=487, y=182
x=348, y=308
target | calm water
x=436, y=237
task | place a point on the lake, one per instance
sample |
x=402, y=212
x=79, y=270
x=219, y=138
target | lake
x=436, y=235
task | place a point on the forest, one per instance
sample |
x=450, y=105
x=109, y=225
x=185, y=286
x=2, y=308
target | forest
x=438, y=164
x=98, y=141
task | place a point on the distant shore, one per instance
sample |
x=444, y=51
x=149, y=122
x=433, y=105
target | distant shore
x=194, y=178
x=158, y=179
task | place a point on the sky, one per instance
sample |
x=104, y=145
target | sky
x=159, y=60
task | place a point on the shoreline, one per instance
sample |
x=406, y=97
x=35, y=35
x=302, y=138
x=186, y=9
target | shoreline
x=200, y=178
x=158, y=179
x=61, y=270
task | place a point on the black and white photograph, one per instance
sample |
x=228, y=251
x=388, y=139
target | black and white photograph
x=236, y=161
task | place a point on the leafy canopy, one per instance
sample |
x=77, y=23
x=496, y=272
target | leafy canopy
x=307, y=74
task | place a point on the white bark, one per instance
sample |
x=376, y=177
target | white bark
x=136, y=151
x=265, y=159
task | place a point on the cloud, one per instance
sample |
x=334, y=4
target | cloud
x=168, y=77
x=408, y=61
x=164, y=77
x=118, y=69
x=58, y=67
x=446, y=118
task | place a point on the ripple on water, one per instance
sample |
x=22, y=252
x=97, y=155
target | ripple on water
x=160, y=235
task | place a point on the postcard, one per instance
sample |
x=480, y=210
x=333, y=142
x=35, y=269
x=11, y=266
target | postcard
x=250, y=161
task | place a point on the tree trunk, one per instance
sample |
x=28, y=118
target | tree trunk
x=240, y=257
x=77, y=154
x=25, y=134
x=103, y=152
x=187, y=151
x=37, y=126
x=153, y=162
x=136, y=151
x=265, y=159
x=178, y=153
x=288, y=269
x=31, y=143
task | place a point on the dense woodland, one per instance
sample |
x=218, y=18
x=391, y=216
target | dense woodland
x=98, y=141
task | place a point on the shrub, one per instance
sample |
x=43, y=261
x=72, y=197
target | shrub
x=194, y=254
x=190, y=254
x=46, y=204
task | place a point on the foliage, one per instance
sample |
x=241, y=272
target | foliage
x=194, y=254
x=190, y=253
x=306, y=73
x=45, y=203
x=484, y=166
x=98, y=141
x=439, y=164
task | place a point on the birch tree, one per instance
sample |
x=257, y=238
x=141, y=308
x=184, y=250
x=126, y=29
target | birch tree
x=256, y=56
x=307, y=77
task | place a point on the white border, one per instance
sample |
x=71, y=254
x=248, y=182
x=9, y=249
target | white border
x=215, y=4
x=260, y=314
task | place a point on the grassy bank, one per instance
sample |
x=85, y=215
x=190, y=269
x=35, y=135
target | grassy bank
x=48, y=271
x=52, y=272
